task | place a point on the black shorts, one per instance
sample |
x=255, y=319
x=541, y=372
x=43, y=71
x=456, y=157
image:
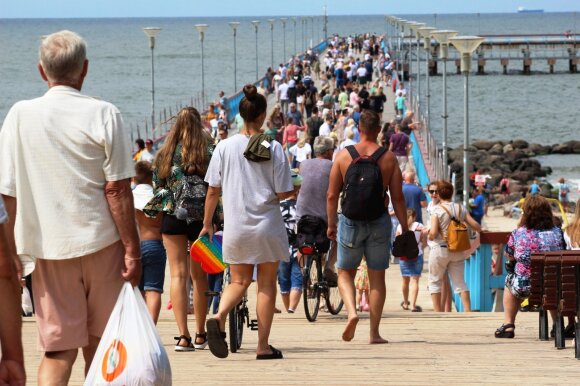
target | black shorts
x=173, y=226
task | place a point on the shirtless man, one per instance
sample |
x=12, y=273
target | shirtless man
x=371, y=238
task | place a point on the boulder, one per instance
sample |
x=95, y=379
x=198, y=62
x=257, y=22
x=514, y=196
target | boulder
x=496, y=149
x=455, y=154
x=562, y=148
x=522, y=176
x=520, y=144
x=483, y=145
x=507, y=148
x=574, y=146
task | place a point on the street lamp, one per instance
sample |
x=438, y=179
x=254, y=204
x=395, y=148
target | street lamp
x=415, y=28
x=302, y=21
x=284, y=20
x=466, y=45
x=234, y=25
x=295, y=48
x=256, y=23
x=426, y=34
x=312, y=31
x=271, y=22
x=442, y=38
x=201, y=29
x=152, y=33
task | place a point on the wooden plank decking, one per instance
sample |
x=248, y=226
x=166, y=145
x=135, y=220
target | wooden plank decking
x=424, y=348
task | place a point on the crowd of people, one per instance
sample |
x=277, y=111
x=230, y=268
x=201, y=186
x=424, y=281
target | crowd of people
x=103, y=215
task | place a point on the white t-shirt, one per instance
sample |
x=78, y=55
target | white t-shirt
x=3, y=214
x=146, y=156
x=58, y=151
x=324, y=129
x=361, y=71
x=283, y=90
x=301, y=153
x=254, y=230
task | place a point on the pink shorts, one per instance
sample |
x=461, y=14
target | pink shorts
x=74, y=298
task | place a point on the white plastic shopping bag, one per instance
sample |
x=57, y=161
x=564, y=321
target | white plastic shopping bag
x=27, y=308
x=130, y=352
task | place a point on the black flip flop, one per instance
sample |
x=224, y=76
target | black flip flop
x=276, y=354
x=417, y=309
x=216, y=339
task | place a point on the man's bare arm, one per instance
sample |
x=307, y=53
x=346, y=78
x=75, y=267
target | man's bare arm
x=11, y=321
x=120, y=200
x=334, y=187
x=10, y=205
x=396, y=189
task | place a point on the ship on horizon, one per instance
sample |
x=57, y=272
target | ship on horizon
x=525, y=10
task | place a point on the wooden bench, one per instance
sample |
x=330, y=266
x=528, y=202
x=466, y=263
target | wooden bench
x=555, y=286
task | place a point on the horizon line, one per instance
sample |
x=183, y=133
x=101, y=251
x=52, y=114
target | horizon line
x=283, y=15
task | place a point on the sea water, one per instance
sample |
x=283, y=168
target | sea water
x=541, y=108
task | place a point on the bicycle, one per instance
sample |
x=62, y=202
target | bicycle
x=238, y=317
x=314, y=285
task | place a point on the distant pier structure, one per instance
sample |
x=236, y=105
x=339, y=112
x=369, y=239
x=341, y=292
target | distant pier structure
x=519, y=49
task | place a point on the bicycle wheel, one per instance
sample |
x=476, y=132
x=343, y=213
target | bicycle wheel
x=242, y=310
x=233, y=322
x=310, y=287
x=334, y=302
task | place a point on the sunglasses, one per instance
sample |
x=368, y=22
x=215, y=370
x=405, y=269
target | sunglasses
x=432, y=192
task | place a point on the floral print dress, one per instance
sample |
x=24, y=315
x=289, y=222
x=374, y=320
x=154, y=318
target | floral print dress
x=164, y=189
x=521, y=244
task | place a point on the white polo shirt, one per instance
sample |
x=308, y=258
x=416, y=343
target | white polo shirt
x=57, y=153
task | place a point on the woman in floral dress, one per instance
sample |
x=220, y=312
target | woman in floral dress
x=536, y=233
x=186, y=153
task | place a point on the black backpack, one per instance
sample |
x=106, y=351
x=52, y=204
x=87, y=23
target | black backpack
x=363, y=194
x=190, y=198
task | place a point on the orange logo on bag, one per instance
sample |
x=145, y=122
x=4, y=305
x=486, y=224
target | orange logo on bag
x=114, y=361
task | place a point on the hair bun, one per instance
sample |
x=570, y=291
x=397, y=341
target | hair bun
x=250, y=92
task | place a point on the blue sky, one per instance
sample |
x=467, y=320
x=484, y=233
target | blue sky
x=193, y=8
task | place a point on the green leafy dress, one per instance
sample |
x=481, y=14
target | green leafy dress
x=164, y=188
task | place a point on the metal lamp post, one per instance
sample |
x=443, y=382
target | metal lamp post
x=284, y=20
x=271, y=22
x=152, y=32
x=201, y=29
x=312, y=31
x=415, y=28
x=256, y=24
x=302, y=22
x=426, y=33
x=295, y=48
x=234, y=25
x=466, y=45
x=443, y=36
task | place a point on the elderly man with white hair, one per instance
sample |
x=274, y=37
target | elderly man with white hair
x=65, y=177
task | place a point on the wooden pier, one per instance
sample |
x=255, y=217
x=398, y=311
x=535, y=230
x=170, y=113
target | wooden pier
x=525, y=49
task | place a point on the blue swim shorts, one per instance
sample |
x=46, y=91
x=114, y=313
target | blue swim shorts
x=153, y=262
x=290, y=276
x=371, y=239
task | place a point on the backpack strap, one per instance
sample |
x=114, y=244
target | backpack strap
x=378, y=154
x=352, y=151
x=448, y=212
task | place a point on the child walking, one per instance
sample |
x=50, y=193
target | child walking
x=411, y=269
x=361, y=281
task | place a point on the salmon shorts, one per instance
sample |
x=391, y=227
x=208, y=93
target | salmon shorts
x=74, y=298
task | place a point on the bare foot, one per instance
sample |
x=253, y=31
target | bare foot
x=348, y=333
x=378, y=340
